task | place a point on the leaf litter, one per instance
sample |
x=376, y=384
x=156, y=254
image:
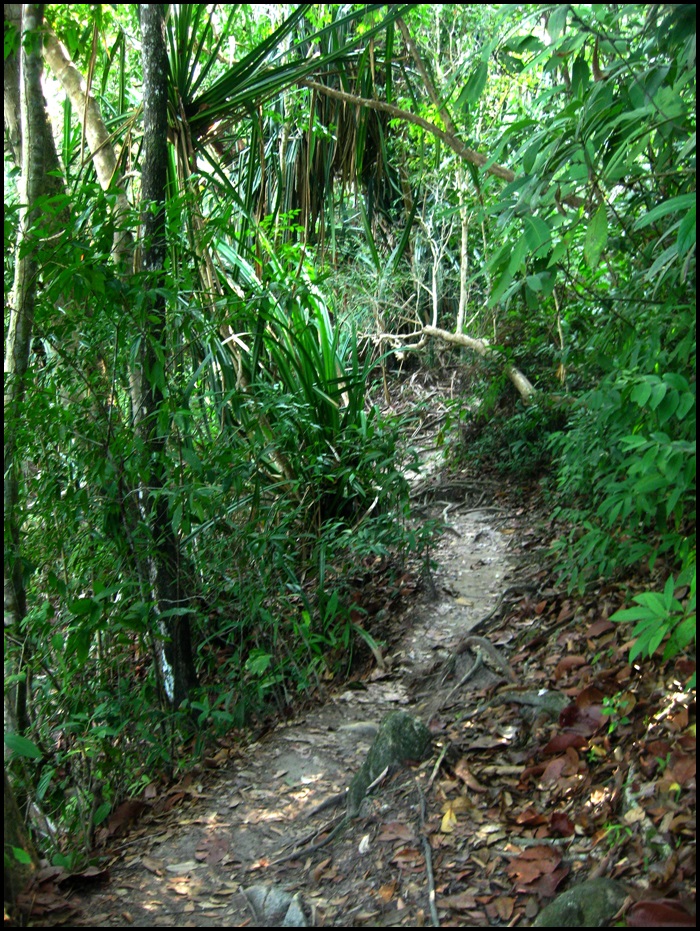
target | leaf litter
x=582, y=767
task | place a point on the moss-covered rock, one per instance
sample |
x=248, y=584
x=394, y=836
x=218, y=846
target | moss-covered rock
x=400, y=738
x=591, y=904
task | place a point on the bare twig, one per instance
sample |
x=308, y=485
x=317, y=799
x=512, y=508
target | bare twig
x=300, y=849
x=427, y=853
x=436, y=768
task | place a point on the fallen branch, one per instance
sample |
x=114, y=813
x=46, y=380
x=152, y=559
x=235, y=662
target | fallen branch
x=522, y=384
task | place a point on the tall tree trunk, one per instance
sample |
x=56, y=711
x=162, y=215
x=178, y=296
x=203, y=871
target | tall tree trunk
x=175, y=658
x=33, y=128
x=19, y=334
x=98, y=139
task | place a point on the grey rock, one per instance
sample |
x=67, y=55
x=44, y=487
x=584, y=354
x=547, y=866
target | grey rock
x=591, y=904
x=400, y=738
x=273, y=907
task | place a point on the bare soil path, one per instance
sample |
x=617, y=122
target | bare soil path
x=541, y=791
x=195, y=866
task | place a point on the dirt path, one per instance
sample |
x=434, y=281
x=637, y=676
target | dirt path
x=195, y=867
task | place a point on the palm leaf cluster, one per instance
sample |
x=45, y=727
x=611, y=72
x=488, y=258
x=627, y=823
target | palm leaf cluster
x=270, y=155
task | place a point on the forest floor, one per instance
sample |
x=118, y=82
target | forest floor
x=531, y=787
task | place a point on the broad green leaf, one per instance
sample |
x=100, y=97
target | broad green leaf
x=687, y=403
x=668, y=407
x=628, y=614
x=258, y=662
x=475, y=85
x=654, y=602
x=543, y=283
x=538, y=235
x=499, y=287
x=683, y=635
x=83, y=606
x=658, y=393
x=22, y=746
x=676, y=381
x=556, y=21
x=669, y=589
x=580, y=76
x=641, y=393
x=686, y=232
x=530, y=156
x=596, y=237
x=648, y=644
x=517, y=255
x=21, y=856
x=79, y=643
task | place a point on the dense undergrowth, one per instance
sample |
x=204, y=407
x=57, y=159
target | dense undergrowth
x=276, y=514
x=617, y=463
x=279, y=610
x=280, y=478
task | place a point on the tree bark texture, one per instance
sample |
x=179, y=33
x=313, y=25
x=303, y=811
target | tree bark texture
x=98, y=139
x=175, y=658
x=19, y=332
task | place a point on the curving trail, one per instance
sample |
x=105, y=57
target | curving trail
x=219, y=856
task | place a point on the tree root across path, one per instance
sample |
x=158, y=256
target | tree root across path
x=485, y=654
x=345, y=820
x=518, y=588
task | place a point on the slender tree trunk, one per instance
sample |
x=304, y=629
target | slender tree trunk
x=175, y=659
x=463, y=250
x=98, y=139
x=27, y=97
x=13, y=129
x=19, y=334
x=153, y=508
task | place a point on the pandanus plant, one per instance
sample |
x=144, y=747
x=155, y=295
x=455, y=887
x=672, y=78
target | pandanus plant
x=260, y=147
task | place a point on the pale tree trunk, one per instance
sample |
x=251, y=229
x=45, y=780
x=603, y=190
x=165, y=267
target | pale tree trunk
x=463, y=250
x=19, y=334
x=103, y=158
x=101, y=149
x=174, y=656
x=481, y=346
x=52, y=183
x=13, y=130
x=106, y=166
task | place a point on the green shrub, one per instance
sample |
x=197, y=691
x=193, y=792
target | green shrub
x=627, y=465
x=660, y=617
x=513, y=441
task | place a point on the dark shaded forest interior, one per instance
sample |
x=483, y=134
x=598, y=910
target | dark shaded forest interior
x=349, y=489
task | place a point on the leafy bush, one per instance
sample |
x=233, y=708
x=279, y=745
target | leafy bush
x=661, y=616
x=514, y=442
x=628, y=466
